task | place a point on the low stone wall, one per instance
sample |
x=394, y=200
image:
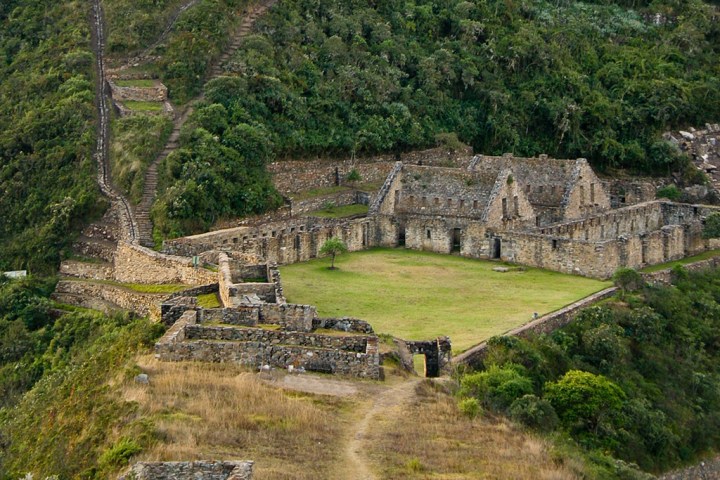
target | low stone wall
x=205, y=470
x=705, y=470
x=144, y=304
x=344, y=324
x=340, y=199
x=292, y=317
x=135, y=264
x=545, y=324
x=124, y=111
x=353, y=355
x=348, y=343
x=665, y=277
x=298, y=176
x=157, y=93
x=245, y=316
x=92, y=271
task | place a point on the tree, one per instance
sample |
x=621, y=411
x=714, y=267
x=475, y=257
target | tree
x=712, y=226
x=354, y=176
x=584, y=400
x=333, y=246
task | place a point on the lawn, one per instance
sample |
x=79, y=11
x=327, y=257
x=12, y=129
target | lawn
x=142, y=83
x=341, y=212
x=143, y=106
x=420, y=295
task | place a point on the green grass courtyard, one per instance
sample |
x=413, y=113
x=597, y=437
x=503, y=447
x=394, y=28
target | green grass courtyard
x=420, y=295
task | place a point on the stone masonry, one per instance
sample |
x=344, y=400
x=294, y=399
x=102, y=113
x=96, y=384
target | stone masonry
x=547, y=213
x=205, y=470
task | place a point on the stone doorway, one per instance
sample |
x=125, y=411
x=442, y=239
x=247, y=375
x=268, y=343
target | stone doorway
x=401, y=236
x=497, y=248
x=456, y=240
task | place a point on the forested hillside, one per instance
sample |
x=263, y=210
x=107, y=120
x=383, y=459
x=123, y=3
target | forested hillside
x=565, y=78
x=47, y=134
x=600, y=80
x=637, y=379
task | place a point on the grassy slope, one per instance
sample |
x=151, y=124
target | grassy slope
x=418, y=295
x=432, y=439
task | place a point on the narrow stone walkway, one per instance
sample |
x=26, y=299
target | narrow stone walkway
x=142, y=210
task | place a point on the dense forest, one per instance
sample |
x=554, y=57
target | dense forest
x=571, y=79
x=565, y=78
x=47, y=133
x=637, y=379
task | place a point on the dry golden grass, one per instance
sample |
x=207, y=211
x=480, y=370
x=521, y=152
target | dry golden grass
x=431, y=439
x=220, y=411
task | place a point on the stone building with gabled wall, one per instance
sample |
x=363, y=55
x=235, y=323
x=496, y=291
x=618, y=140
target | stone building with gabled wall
x=541, y=212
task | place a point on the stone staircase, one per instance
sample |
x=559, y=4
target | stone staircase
x=142, y=210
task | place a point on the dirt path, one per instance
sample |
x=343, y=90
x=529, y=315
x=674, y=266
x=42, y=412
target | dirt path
x=356, y=464
x=374, y=399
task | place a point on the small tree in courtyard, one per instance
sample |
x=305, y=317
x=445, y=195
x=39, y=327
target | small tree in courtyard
x=333, y=246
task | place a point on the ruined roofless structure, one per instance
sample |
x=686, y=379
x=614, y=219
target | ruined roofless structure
x=540, y=212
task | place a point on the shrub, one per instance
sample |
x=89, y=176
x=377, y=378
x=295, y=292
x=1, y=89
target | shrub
x=120, y=453
x=628, y=279
x=712, y=226
x=353, y=176
x=584, y=399
x=671, y=192
x=534, y=412
x=497, y=387
x=470, y=407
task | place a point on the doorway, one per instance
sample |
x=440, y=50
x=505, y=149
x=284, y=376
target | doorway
x=497, y=248
x=456, y=240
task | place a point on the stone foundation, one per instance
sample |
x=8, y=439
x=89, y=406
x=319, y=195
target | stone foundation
x=205, y=470
x=86, y=294
x=135, y=264
x=186, y=340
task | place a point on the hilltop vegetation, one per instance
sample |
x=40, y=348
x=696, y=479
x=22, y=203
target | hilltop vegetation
x=565, y=78
x=637, y=379
x=47, y=132
x=571, y=79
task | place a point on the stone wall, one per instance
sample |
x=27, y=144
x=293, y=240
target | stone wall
x=705, y=470
x=339, y=199
x=86, y=293
x=135, y=264
x=289, y=316
x=89, y=270
x=665, y=277
x=355, y=355
x=125, y=111
x=156, y=93
x=280, y=242
x=344, y=324
x=205, y=470
x=438, y=354
x=545, y=324
x=297, y=176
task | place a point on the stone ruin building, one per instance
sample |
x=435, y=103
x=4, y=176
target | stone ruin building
x=539, y=212
x=256, y=327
